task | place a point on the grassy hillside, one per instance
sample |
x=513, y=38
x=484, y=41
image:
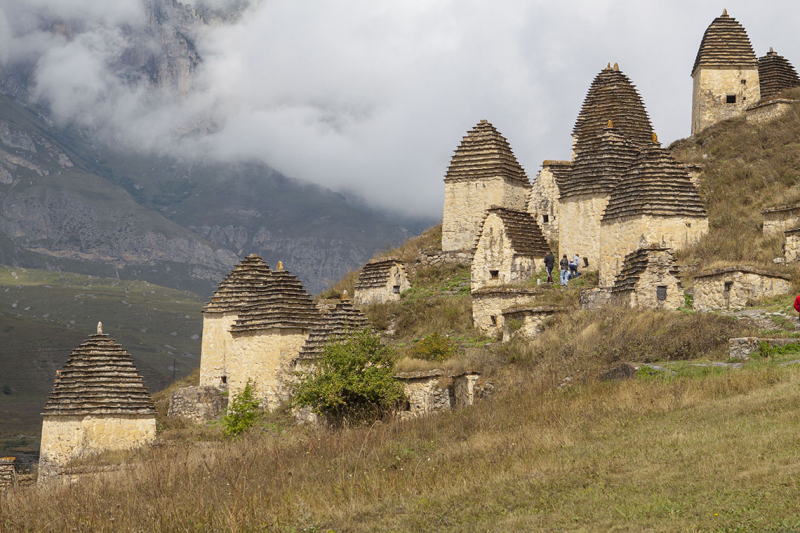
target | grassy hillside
x=44, y=315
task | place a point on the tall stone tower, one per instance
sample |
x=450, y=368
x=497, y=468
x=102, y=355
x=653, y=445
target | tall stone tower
x=725, y=74
x=483, y=173
x=611, y=127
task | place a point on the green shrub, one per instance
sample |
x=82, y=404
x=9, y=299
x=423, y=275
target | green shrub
x=434, y=347
x=242, y=413
x=353, y=383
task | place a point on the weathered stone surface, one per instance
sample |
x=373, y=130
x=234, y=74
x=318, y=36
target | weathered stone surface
x=791, y=247
x=483, y=172
x=725, y=69
x=768, y=111
x=381, y=281
x=775, y=75
x=8, y=474
x=544, y=194
x=197, y=404
x=579, y=228
x=430, y=258
x=735, y=287
x=426, y=393
x=510, y=242
x=525, y=322
x=743, y=347
x=646, y=272
x=597, y=298
x=611, y=97
x=780, y=218
x=489, y=304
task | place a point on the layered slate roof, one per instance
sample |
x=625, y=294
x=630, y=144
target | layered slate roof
x=522, y=230
x=775, y=74
x=600, y=165
x=375, y=274
x=283, y=304
x=636, y=264
x=560, y=170
x=725, y=44
x=242, y=287
x=656, y=184
x=334, y=326
x=612, y=97
x=483, y=154
x=99, y=378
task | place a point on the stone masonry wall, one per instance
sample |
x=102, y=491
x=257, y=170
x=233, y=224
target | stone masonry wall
x=7, y=473
x=197, y=404
x=622, y=236
x=464, y=389
x=424, y=396
x=530, y=324
x=744, y=347
x=791, y=247
x=265, y=357
x=494, y=252
x=66, y=438
x=543, y=201
x=644, y=296
x=579, y=228
x=465, y=205
x=710, y=291
x=488, y=305
x=781, y=219
x=710, y=89
x=768, y=111
x=217, y=342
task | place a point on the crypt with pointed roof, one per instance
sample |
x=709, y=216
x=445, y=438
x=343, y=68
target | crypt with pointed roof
x=508, y=248
x=243, y=286
x=483, y=173
x=725, y=74
x=99, y=403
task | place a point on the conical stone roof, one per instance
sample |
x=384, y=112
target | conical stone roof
x=725, y=44
x=612, y=97
x=656, y=184
x=483, y=154
x=283, y=303
x=522, y=230
x=375, y=274
x=241, y=287
x=636, y=264
x=99, y=378
x=334, y=326
x=775, y=74
x=599, y=165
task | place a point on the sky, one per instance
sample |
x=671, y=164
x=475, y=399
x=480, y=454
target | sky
x=373, y=97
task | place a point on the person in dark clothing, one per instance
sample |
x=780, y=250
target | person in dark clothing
x=549, y=263
x=564, y=264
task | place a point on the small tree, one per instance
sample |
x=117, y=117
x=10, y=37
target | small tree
x=242, y=413
x=434, y=347
x=353, y=382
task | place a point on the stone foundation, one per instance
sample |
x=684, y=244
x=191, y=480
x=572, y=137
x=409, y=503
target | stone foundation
x=198, y=404
x=66, y=438
x=742, y=348
x=597, y=298
x=8, y=475
x=791, y=246
x=768, y=111
x=525, y=322
x=488, y=306
x=735, y=287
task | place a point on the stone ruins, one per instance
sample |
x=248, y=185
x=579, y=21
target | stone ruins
x=510, y=249
x=736, y=287
x=525, y=322
x=8, y=474
x=381, y=281
x=780, y=218
x=99, y=403
x=427, y=394
x=649, y=279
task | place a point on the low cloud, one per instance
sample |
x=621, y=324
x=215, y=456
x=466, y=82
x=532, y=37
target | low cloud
x=369, y=96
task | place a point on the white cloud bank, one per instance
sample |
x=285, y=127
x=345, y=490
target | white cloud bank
x=374, y=96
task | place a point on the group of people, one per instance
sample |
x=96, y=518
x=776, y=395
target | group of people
x=569, y=269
